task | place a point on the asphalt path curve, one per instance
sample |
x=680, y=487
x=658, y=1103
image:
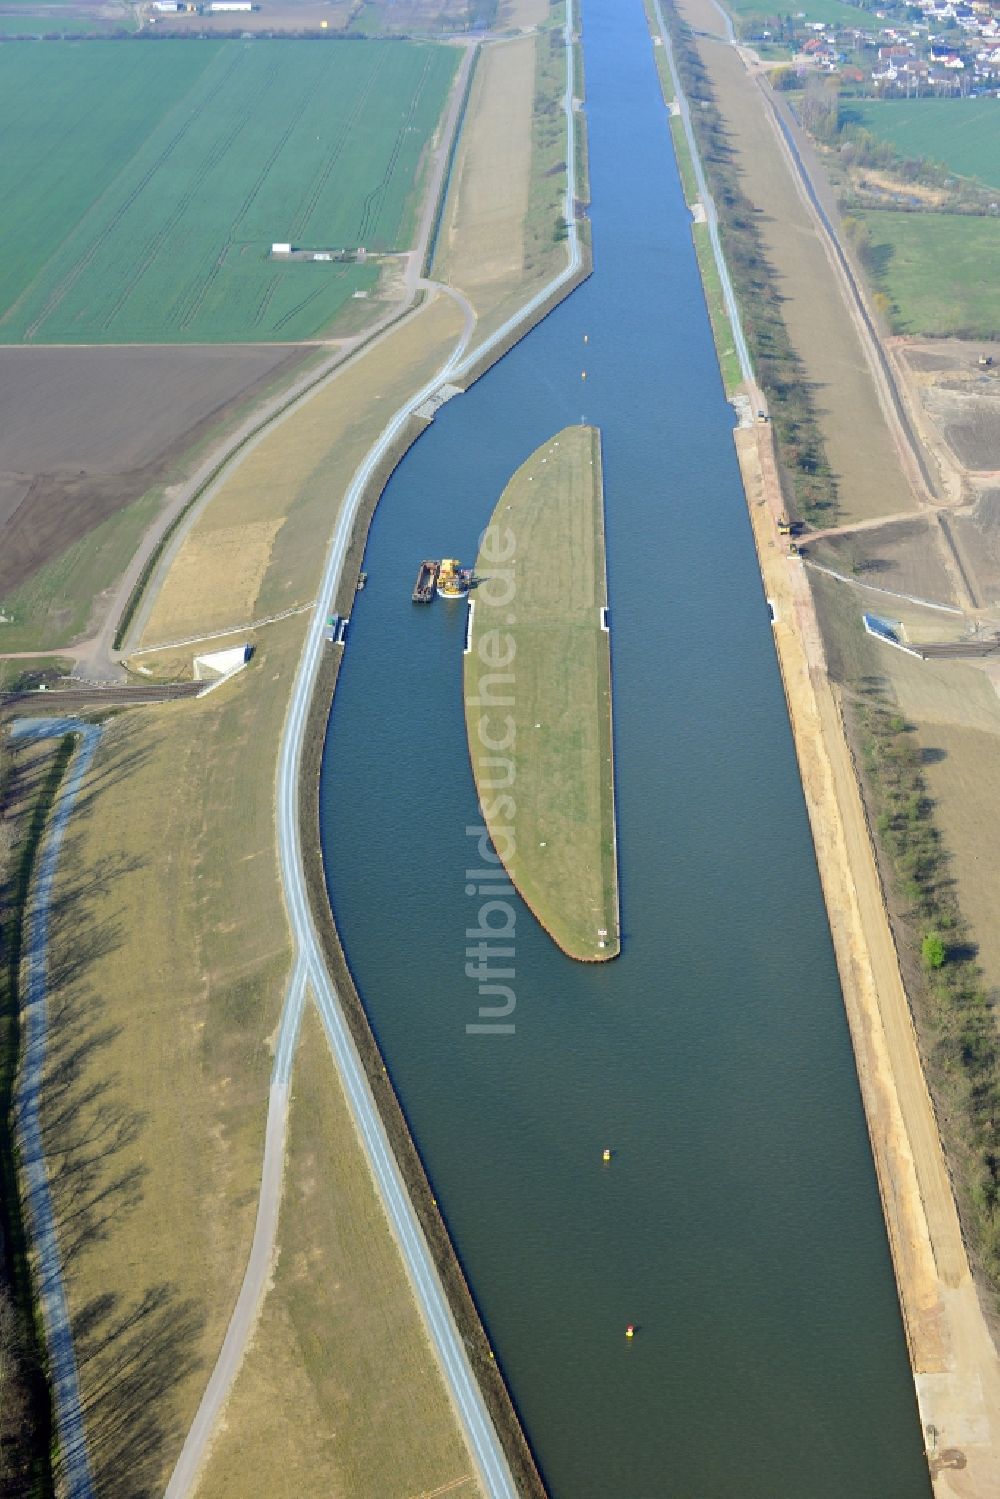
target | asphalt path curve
x=74, y=1465
x=310, y=973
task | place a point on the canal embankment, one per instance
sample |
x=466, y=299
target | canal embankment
x=952, y=1355
x=737, y=1224
x=463, y=1308
x=953, y=1358
x=489, y=1374
x=490, y=1377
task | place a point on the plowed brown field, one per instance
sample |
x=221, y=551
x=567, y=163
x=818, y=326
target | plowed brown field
x=88, y=430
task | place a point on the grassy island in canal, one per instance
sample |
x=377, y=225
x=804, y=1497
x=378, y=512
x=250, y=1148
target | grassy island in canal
x=538, y=694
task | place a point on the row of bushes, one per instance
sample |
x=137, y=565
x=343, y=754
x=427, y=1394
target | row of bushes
x=545, y=224
x=956, y=1014
x=858, y=148
x=779, y=370
x=820, y=107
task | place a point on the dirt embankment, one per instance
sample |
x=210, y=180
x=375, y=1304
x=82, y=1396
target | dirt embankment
x=955, y=1362
x=956, y=1369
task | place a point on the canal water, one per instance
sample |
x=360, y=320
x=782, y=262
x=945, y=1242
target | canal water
x=738, y=1225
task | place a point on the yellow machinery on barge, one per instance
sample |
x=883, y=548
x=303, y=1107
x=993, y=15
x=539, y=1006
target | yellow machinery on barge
x=445, y=578
x=453, y=581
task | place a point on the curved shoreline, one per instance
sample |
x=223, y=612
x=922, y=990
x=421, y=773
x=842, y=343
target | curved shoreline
x=514, y=497
x=462, y=1303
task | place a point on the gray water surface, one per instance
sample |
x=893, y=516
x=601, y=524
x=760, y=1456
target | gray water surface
x=739, y=1224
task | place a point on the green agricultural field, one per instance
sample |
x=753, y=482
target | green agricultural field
x=809, y=10
x=940, y=271
x=144, y=185
x=962, y=134
x=59, y=21
x=538, y=694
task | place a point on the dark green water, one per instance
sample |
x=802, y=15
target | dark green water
x=739, y=1225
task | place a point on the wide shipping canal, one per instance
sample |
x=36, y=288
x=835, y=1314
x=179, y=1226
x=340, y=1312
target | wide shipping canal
x=738, y=1224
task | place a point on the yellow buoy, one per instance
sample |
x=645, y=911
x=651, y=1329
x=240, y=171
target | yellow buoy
x=606, y=1155
x=630, y=1330
x=583, y=374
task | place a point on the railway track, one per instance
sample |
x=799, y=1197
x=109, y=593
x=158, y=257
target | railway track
x=97, y=695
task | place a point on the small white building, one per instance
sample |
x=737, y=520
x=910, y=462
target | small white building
x=230, y=5
x=281, y=249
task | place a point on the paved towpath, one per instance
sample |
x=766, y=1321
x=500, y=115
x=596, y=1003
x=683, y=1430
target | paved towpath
x=310, y=971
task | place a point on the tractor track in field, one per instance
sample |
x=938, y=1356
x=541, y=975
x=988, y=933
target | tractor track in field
x=217, y=153
x=370, y=214
x=67, y=284
x=200, y=291
x=302, y=219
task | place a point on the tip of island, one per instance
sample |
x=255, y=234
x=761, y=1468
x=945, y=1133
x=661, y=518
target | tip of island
x=538, y=694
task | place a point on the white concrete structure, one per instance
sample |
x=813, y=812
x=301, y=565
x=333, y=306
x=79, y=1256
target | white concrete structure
x=281, y=249
x=219, y=666
x=230, y=5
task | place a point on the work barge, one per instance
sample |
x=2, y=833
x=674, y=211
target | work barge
x=423, y=589
x=446, y=578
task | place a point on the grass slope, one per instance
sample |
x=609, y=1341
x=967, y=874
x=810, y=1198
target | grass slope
x=164, y=1000
x=500, y=248
x=962, y=134
x=538, y=654
x=278, y=500
x=941, y=271
x=170, y=915
x=711, y=281
x=340, y=1339
x=148, y=183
